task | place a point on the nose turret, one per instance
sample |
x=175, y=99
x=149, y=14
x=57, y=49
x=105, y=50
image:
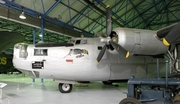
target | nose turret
x=19, y=58
x=20, y=50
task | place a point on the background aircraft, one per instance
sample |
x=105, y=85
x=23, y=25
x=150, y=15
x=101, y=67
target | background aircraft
x=125, y=52
x=7, y=41
x=9, y=38
x=6, y=62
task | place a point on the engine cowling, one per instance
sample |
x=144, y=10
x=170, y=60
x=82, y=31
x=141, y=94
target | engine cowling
x=138, y=42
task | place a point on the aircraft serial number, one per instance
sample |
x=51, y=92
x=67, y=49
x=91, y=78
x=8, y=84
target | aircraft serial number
x=3, y=60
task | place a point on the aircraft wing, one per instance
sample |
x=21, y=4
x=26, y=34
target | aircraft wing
x=8, y=39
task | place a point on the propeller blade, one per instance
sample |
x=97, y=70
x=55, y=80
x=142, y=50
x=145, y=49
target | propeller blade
x=101, y=54
x=163, y=32
x=108, y=31
x=172, y=36
x=120, y=49
x=108, y=20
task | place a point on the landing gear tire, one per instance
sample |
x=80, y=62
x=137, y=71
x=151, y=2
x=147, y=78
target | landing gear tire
x=130, y=101
x=65, y=88
x=107, y=82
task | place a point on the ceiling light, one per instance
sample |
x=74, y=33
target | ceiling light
x=1, y=1
x=22, y=16
x=40, y=35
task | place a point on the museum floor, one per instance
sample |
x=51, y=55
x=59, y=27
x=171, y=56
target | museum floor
x=21, y=90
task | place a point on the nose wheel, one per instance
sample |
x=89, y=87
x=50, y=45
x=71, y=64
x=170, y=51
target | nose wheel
x=65, y=87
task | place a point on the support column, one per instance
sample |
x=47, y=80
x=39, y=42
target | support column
x=34, y=42
x=42, y=29
x=158, y=70
x=42, y=38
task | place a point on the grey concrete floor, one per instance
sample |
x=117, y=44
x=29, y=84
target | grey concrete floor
x=21, y=90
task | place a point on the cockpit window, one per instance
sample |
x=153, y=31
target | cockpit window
x=71, y=41
x=40, y=52
x=78, y=41
x=81, y=41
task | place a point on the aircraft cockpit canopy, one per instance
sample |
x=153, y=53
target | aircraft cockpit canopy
x=78, y=41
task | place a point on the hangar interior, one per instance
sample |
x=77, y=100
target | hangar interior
x=54, y=21
x=85, y=17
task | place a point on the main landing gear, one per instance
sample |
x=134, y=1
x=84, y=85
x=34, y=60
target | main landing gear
x=65, y=87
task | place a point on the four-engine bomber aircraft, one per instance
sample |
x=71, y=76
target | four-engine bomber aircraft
x=125, y=52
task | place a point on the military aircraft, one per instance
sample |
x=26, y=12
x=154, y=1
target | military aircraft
x=7, y=41
x=125, y=52
x=6, y=62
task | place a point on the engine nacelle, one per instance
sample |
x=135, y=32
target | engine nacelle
x=139, y=42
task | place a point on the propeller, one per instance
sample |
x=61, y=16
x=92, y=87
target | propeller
x=108, y=31
x=113, y=41
x=101, y=53
x=108, y=20
x=172, y=36
x=120, y=49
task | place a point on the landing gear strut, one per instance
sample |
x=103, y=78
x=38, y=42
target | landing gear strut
x=65, y=87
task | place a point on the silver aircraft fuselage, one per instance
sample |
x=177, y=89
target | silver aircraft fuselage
x=78, y=62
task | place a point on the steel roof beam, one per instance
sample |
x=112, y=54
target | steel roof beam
x=113, y=13
x=171, y=21
x=101, y=16
x=95, y=25
x=43, y=6
x=129, y=11
x=75, y=11
x=150, y=7
x=93, y=22
x=52, y=7
x=101, y=11
x=12, y=15
x=67, y=8
x=158, y=13
x=80, y=13
x=97, y=22
x=9, y=11
x=138, y=11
